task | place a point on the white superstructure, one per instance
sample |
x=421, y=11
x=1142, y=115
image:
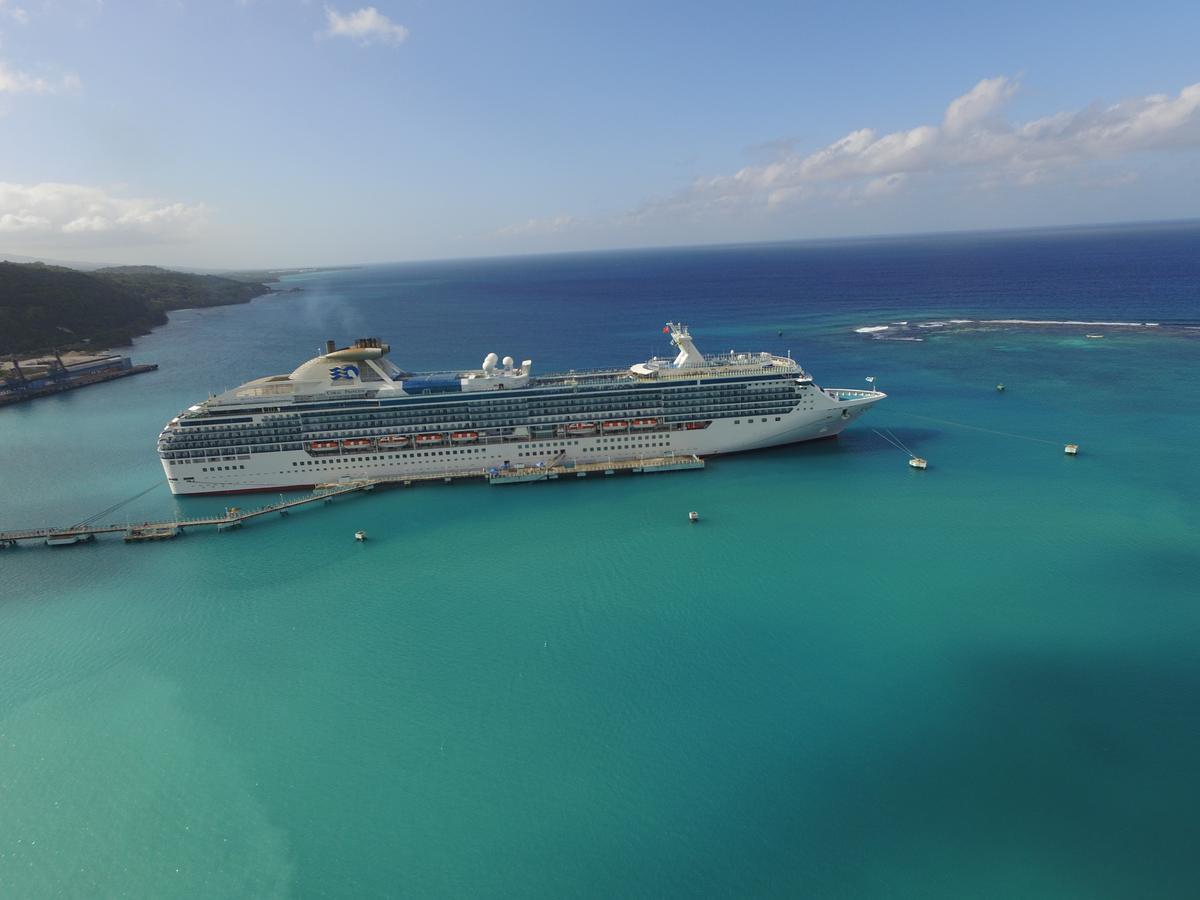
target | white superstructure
x=351, y=413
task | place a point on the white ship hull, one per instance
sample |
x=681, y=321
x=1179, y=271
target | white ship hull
x=298, y=469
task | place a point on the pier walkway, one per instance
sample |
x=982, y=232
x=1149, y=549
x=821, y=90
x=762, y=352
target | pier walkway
x=235, y=517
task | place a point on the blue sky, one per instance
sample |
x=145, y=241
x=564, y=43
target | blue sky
x=286, y=133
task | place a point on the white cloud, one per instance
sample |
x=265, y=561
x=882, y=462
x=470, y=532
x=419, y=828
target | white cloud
x=367, y=26
x=14, y=81
x=16, y=13
x=973, y=138
x=73, y=214
x=978, y=106
x=537, y=227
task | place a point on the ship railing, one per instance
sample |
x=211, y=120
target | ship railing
x=850, y=393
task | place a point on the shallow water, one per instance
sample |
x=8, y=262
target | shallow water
x=849, y=679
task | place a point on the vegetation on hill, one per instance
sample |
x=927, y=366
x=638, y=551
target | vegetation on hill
x=44, y=307
x=164, y=289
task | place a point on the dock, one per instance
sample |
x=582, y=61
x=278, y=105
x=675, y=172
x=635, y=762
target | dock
x=18, y=392
x=235, y=518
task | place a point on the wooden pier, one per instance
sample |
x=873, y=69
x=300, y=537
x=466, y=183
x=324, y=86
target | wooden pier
x=234, y=517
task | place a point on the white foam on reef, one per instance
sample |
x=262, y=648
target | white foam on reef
x=1067, y=322
x=871, y=329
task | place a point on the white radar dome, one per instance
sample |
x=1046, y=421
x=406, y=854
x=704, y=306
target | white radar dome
x=508, y=362
x=489, y=362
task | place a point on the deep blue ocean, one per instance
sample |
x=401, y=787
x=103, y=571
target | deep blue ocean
x=850, y=679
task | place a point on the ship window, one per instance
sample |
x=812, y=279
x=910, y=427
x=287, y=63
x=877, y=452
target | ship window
x=737, y=421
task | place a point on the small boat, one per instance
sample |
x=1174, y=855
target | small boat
x=1071, y=449
x=429, y=440
x=644, y=423
x=464, y=437
x=357, y=444
x=360, y=535
x=917, y=463
x=695, y=426
x=581, y=428
x=1000, y=387
x=693, y=516
x=1094, y=337
x=393, y=440
x=615, y=425
x=323, y=446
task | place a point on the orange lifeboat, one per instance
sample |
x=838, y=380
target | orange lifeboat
x=393, y=440
x=695, y=426
x=357, y=444
x=323, y=446
x=581, y=428
x=645, y=423
x=429, y=440
x=616, y=425
x=464, y=437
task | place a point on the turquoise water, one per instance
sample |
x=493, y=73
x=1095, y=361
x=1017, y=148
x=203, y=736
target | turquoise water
x=849, y=679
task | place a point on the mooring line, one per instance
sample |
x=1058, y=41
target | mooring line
x=104, y=512
x=1023, y=437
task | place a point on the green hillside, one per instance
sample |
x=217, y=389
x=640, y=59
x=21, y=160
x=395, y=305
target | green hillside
x=44, y=307
x=164, y=289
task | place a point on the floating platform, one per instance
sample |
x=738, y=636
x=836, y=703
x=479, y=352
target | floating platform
x=163, y=531
x=68, y=538
x=645, y=466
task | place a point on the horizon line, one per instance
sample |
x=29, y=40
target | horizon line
x=651, y=248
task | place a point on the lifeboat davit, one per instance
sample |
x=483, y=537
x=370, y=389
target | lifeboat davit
x=464, y=437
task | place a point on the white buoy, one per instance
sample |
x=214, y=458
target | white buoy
x=360, y=535
x=693, y=516
x=917, y=463
x=1071, y=449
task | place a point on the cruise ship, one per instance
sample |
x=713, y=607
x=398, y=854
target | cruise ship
x=351, y=413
